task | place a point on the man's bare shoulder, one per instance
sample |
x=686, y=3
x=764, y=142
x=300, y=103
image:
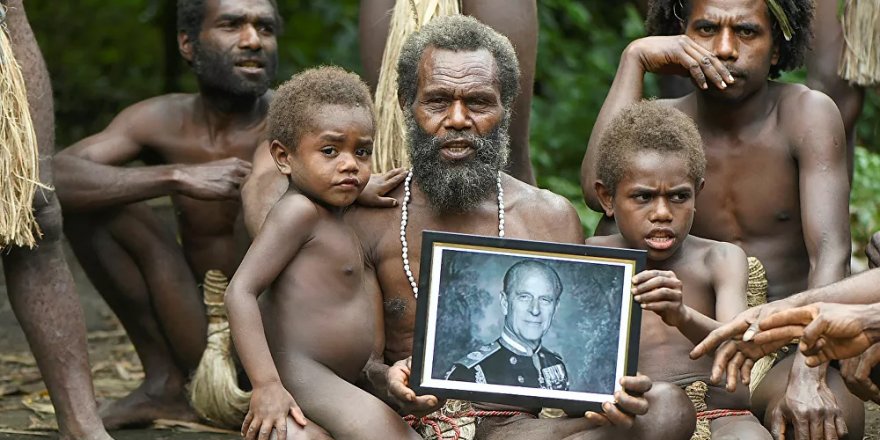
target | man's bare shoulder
x=543, y=210
x=799, y=106
x=615, y=241
x=159, y=114
x=371, y=224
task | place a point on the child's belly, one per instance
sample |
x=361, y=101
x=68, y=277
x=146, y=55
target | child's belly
x=340, y=336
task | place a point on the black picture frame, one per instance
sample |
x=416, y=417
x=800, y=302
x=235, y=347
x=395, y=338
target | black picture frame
x=597, y=281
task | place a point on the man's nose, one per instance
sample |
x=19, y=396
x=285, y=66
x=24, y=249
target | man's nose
x=534, y=308
x=458, y=116
x=726, y=45
x=250, y=38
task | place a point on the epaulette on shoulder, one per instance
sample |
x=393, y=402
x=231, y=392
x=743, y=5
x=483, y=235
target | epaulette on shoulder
x=475, y=357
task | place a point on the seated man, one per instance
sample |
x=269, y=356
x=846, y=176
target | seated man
x=651, y=167
x=457, y=81
x=529, y=300
x=776, y=163
x=196, y=147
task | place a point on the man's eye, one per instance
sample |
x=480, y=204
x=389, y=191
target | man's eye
x=363, y=152
x=546, y=301
x=746, y=32
x=524, y=298
x=642, y=197
x=265, y=29
x=706, y=29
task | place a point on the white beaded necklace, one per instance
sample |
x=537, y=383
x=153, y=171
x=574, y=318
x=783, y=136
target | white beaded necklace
x=404, y=218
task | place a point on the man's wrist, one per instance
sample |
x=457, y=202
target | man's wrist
x=176, y=178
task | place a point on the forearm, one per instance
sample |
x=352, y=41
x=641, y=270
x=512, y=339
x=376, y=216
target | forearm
x=246, y=327
x=83, y=185
x=830, y=267
x=626, y=89
x=696, y=326
x=858, y=289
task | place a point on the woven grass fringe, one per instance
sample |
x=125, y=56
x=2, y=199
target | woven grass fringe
x=213, y=390
x=408, y=16
x=19, y=160
x=860, y=61
x=756, y=294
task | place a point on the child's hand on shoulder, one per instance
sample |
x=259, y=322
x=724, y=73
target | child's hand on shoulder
x=270, y=407
x=660, y=292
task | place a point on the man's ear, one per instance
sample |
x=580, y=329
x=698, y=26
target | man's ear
x=605, y=198
x=774, y=58
x=400, y=101
x=281, y=156
x=184, y=45
x=700, y=186
x=503, y=297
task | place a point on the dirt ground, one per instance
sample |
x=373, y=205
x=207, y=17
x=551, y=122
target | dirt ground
x=25, y=411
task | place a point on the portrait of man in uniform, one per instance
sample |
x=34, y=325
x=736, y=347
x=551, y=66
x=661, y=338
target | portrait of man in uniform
x=529, y=300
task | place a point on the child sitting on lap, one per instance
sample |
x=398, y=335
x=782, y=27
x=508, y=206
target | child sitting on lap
x=314, y=328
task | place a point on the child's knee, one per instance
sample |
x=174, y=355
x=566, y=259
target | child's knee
x=669, y=412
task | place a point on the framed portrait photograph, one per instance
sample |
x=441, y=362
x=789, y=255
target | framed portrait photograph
x=524, y=323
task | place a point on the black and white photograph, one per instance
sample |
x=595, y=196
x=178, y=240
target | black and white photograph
x=526, y=322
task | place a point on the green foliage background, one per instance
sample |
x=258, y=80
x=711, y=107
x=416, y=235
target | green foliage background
x=104, y=56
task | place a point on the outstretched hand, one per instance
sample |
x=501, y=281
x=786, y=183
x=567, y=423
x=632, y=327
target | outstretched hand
x=399, y=390
x=660, y=292
x=680, y=55
x=827, y=331
x=630, y=402
x=856, y=373
x=735, y=351
x=270, y=407
x=374, y=194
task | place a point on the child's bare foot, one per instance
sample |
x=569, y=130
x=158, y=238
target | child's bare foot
x=140, y=409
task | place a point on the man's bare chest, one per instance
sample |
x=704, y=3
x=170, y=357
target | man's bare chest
x=751, y=189
x=202, y=148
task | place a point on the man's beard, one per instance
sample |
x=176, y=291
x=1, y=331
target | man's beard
x=215, y=71
x=457, y=186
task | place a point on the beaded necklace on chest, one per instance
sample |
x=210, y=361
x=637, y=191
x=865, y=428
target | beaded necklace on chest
x=404, y=218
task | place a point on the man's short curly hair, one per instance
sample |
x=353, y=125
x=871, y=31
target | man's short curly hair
x=295, y=101
x=669, y=17
x=457, y=33
x=648, y=126
x=191, y=15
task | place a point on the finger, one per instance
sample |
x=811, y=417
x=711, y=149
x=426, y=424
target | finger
x=746, y=371
x=391, y=180
x=707, y=58
x=654, y=278
x=814, y=330
x=659, y=294
x=733, y=368
x=383, y=202
x=298, y=416
x=840, y=424
x=801, y=428
x=863, y=376
x=425, y=402
x=616, y=416
x=817, y=428
x=253, y=429
x=719, y=335
x=401, y=391
x=281, y=429
x=661, y=306
x=705, y=70
x=636, y=385
x=777, y=425
x=247, y=422
x=723, y=357
x=777, y=335
x=631, y=404
x=830, y=428
x=796, y=316
x=265, y=431
x=816, y=360
x=596, y=418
